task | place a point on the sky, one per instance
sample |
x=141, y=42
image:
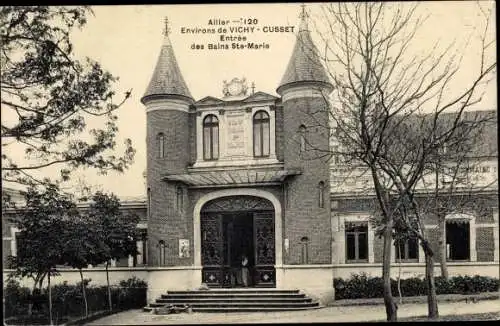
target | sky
x=126, y=40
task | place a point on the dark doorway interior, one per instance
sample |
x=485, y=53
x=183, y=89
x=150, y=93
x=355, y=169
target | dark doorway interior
x=457, y=238
x=239, y=241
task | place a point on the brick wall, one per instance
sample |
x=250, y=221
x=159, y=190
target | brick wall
x=279, y=132
x=166, y=221
x=303, y=216
x=378, y=249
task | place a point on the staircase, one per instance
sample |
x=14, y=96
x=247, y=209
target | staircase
x=236, y=300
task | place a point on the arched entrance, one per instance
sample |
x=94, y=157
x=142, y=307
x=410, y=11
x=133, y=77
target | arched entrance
x=233, y=227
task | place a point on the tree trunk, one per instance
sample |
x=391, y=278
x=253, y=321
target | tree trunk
x=109, y=288
x=390, y=306
x=399, y=277
x=84, y=295
x=50, y=299
x=30, y=304
x=442, y=247
x=432, y=307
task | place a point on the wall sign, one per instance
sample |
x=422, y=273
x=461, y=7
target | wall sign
x=183, y=248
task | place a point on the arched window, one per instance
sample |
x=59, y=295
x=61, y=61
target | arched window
x=304, y=244
x=302, y=138
x=261, y=134
x=210, y=137
x=321, y=194
x=161, y=145
x=180, y=198
x=161, y=247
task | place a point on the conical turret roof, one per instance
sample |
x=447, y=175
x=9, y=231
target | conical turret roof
x=305, y=63
x=167, y=78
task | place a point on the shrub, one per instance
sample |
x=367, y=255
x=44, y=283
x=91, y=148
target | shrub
x=16, y=299
x=67, y=300
x=362, y=286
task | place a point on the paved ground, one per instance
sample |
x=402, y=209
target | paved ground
x=328, y=314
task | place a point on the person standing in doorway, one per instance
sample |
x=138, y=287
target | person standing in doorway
x=244, y=270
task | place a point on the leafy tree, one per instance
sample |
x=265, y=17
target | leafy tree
x=81, y=248
x=116, y=232
x=48, y=98
x=42, y=223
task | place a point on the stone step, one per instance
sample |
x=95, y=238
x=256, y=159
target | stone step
x=194, y=300
x=232, y=295
x=241, y=304
x=236, y=291
x=250, y=309
x=232, y=300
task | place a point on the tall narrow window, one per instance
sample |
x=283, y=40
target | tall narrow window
x=149, y=202
x=321, y=194
x=161, y=145
x=356, y=242
x=180, y=198
x=210, y=137
x=161, y=247
x=304, y=242
x=302, y=138
x=261, y=134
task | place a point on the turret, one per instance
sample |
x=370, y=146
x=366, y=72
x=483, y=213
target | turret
x=304, y=89
x=167, y=100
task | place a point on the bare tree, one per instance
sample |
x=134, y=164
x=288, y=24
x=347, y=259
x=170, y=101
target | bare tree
x=391, y=111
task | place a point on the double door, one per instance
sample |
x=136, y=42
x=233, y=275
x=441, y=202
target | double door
x=227, y=237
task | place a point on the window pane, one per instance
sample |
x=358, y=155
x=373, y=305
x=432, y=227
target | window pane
x=412, y=248
x=257, y=140
x=399, y=248
x=265, y=145
x=206, y=143
x=363, y=246
x=161, y=146
x=351, y=251
x=215, y=139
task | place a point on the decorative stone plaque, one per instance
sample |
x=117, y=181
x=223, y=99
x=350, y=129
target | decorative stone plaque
x=236, y=138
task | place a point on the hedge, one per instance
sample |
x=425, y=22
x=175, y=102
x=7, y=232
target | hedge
x=362, y=286
x=67, y=300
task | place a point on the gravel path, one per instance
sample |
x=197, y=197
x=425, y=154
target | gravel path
x=328, y=314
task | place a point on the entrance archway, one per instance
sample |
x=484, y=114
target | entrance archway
x=232, y=223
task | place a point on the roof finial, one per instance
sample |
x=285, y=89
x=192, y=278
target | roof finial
x=166, y=31
x=303, y=18
x=303, y=15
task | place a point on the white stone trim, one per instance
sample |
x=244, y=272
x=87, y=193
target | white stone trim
x=496, y=237
x=229, y=163
x=371, y=233
x=303, y=92
x=167, y=105
x=13, y=241
x=421, y=253
x=238, y=192
x=307, y=266
x=247, y=158
x=486, y=225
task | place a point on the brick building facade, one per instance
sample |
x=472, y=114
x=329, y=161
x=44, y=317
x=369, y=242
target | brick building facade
x=246, y=174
